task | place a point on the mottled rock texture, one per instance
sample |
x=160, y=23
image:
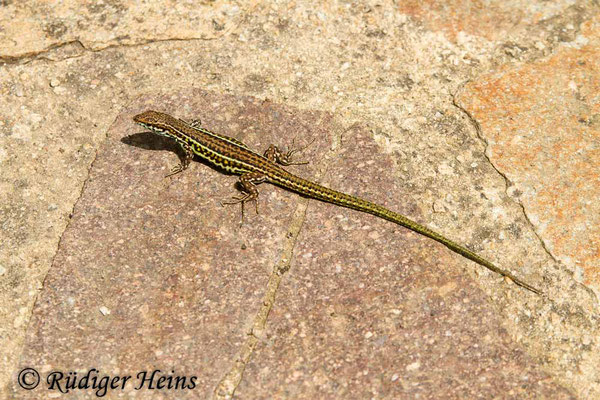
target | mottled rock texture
x=478, y=119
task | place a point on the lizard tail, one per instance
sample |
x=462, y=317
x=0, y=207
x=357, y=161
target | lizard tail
x=325, y=194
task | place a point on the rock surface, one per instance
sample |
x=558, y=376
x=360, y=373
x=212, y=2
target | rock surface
x=478, y=120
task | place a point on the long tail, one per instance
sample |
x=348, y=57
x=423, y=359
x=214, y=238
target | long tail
x=325, y=194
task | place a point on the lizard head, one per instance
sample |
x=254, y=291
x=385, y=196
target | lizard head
x=155, y=121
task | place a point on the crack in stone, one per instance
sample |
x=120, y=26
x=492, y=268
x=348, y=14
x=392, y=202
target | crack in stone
x=230, y=381
x=26, y=58
x=226, y=387
x=58, y=246
x=46, y=53
x=81, y=191
x=485, y=142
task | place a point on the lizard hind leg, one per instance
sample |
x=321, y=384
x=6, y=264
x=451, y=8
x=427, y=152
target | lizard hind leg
x=248, y=180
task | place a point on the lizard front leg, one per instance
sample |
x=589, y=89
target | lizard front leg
x=185, y=163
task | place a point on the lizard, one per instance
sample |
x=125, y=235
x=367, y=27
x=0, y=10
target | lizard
x=233, y=156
